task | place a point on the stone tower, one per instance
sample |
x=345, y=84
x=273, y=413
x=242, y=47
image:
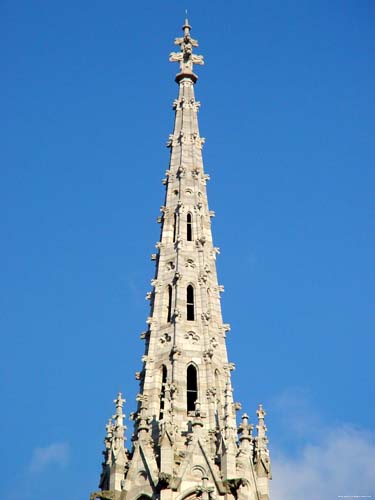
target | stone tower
x=186, y=444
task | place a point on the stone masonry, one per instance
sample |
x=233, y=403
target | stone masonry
x=186, y=443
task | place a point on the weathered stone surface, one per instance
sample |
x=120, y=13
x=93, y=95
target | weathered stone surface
x=185, y=442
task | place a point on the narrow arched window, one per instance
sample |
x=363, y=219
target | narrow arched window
x=191, y=387
x=162, y=390
x=174, y=227
x=189, y=227
x=190, y=303
x=169, y=307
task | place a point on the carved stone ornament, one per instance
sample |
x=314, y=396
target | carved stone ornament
x=186, y=443
x=206, y=316
x=207, y=355
x=211, y=392
x=195, y=173
x=170, y=265
x=192, y=336
x=214, y=343
x=165, y=338
x=180, y=172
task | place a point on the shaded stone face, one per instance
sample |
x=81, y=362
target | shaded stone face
x=185, y=441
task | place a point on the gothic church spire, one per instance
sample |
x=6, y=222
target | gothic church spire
x=185, y=443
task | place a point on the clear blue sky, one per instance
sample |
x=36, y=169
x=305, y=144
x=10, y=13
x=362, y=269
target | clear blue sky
x=288, y=107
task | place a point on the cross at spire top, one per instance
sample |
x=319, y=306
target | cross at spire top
x=185, y=57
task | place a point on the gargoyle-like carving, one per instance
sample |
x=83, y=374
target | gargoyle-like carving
x=147, y=359
x=200, y=241
x=178, y=242
x=181, y=137
x=180, y=172
x=176, y=315
x=211, y=392
x=200, y=142
x=195, y=172
x=213, y=342
x=237, y=406
x=175, y=351
x=207, y=355
x=206, y=316
x=202, y=278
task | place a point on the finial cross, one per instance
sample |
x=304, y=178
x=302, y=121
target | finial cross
x=186, y=58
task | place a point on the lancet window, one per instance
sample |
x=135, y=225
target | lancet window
x=191, y=387
x=174, y=227
x=189, y=227
x=190, y=313
x=162, y=390
x=169, y=304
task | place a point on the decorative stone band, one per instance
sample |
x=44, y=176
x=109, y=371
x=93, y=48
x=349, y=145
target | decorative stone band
x=181, y=76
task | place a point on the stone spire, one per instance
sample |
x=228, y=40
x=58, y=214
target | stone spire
x=115, y=455
x=185, y=441
x=261, y=453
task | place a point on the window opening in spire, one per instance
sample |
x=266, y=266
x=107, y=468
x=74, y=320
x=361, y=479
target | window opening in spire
x=190, y=303
x=169, y=307
x=189, y=227
x=174, y=227
x=162, y=390
x=191, y=387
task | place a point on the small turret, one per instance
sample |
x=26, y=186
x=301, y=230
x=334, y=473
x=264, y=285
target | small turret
x=115, y=454
x=230, y=446
x=246, y=438
x=261, y=452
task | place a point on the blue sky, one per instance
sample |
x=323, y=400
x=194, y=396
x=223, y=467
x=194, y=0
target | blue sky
x=288, y=107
